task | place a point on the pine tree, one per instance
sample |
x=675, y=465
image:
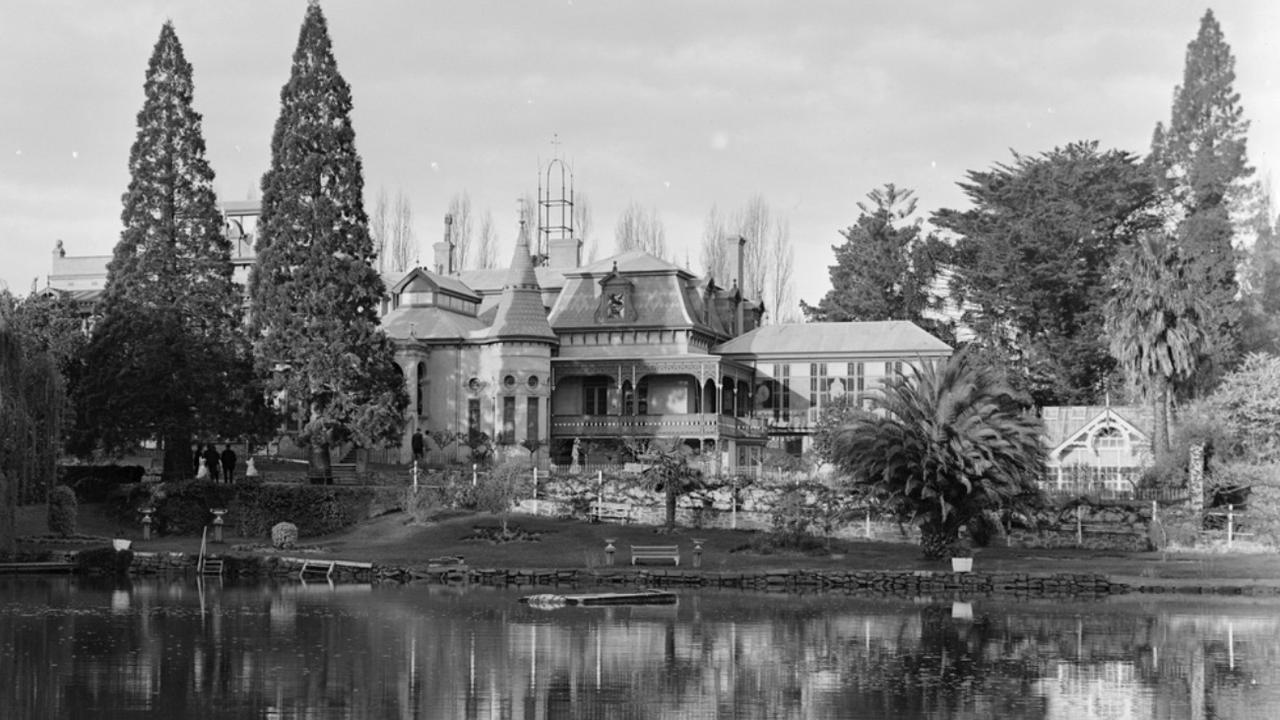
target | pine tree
x=164, y=362
x=1200, y=161
x=315, y=293
x=885, y=267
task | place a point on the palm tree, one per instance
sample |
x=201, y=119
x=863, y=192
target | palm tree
x=941, y=446
x=1154, y=319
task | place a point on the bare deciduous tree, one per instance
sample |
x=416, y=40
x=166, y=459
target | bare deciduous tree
x=486, y=244
x=717, y=256
x=378, y=228
x=780, y=301
x=460, y=210
x=582, y=226
x=768, y=256
x=402, y=246
x=640, y=228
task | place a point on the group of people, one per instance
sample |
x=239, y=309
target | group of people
x=214, y=466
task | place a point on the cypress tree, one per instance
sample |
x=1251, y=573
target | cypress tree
x=164, y=360
x=1200, y=162
x=315, y=294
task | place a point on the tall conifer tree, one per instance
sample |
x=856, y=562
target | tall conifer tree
x=1201, y=164
x=163, y=361
x=315, y=293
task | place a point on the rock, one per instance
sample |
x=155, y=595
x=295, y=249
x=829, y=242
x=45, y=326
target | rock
x=284, y=535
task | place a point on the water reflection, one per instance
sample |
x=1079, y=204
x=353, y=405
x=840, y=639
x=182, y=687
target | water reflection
x=179, y=648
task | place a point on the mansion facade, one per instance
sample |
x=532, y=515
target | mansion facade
x=549, y=353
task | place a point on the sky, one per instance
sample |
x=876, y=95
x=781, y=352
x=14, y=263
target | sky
x=680, y=106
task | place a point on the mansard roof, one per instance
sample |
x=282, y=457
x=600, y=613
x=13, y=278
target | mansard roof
x=657, y=295
x=520, y=313
x=891, y=338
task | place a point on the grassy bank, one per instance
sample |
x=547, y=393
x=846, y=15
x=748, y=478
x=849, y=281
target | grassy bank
x=395, y=539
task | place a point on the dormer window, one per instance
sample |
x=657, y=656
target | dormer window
x=615, y=299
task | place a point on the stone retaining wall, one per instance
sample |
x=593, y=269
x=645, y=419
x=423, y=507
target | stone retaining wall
x=904, y=584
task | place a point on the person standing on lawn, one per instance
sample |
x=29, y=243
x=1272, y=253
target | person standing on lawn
x=228, y=459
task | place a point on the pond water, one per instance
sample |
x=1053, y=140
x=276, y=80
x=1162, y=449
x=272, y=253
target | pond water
x=179, y=648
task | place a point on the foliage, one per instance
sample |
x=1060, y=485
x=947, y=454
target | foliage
x=886, y=268
x=185, y=508
x=104, y=561
x=1247, y=403
x=166, y=361
x=95, y=483
x=499, y=488
x=941, y=446
x=1031, y=260
x=314, y=292
x=1154, y=318
x=669, y=470
x=63, y=509
x=812, y=508
x=1260, y=323
x=32, y=399
x=835, y=416
x=48, y=323
x=1200, y=161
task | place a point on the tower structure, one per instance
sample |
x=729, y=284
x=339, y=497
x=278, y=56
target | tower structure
x=557, y=244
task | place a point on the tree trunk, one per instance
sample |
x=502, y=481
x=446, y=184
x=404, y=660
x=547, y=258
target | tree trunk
x=1160, y=443
x=671, y=504
x=319, y=468
x=176, y=462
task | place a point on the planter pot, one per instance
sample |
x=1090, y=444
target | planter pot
x=960, y=565
x=121, y=545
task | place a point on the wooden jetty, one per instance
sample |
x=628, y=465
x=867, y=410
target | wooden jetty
x=638, y=597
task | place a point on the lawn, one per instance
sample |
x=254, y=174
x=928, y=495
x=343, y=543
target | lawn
x=395, y=539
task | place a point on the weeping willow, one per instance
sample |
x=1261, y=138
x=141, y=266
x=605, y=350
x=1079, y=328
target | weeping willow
x=31, y=403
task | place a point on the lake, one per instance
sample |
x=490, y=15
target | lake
x=182, y=648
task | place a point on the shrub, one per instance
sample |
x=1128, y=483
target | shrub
x=104, y=561
x=62, y=511
x=95, y=483
x=284, y=535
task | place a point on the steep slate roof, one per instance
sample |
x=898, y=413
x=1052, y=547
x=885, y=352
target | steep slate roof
x=396, y=282
x=521, y=314
x=657, y=290
x=897, y=338
x=429, y=323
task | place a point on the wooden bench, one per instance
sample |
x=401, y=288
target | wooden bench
x=655, y=552
x=616, y=512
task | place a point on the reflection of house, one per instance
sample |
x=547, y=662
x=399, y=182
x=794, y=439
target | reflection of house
x=1096, y=448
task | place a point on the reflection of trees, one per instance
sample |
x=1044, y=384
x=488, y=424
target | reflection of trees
x=293, y=651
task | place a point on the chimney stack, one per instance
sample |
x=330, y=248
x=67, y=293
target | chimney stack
x=739, y=319
x=448, y=238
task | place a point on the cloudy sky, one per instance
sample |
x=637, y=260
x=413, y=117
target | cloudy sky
x=680, y=106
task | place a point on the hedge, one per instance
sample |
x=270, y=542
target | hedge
x=185, y=508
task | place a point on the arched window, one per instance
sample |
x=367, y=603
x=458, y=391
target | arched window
x=420, y=399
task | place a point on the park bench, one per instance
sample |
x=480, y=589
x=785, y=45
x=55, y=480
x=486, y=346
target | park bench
x=614, y=512
x=344, y=473
x=655, y=552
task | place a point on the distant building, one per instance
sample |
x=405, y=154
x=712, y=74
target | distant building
x=1096, y=449
x=547, y=352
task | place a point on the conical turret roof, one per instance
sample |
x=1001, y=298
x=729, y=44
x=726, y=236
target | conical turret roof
x=521, y=314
